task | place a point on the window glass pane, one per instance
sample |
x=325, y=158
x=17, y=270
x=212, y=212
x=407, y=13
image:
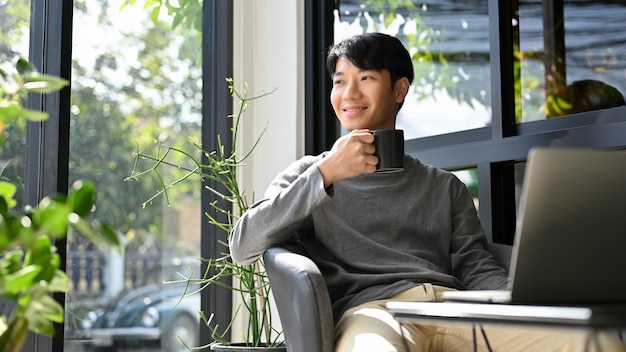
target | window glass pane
x=449, y=43
x=136, y=87
x=470, y=178
x=571, y=58
x=14, y=21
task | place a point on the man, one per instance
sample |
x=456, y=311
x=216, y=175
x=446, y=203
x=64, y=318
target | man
x=404, y=235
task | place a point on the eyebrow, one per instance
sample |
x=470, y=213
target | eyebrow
x=361, y=70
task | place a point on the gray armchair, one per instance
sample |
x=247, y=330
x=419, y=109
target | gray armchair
x=303, y=302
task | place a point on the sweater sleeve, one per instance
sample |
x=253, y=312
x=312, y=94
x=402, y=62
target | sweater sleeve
x=472, y=263
x=289, y=201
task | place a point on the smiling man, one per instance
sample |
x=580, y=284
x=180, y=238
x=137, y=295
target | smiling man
x=381, y=236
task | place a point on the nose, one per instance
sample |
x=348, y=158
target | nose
x=352, y=91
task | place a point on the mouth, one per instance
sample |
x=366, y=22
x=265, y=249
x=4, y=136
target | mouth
x=353, y=109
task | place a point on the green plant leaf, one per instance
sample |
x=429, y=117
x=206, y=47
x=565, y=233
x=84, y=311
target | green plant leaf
x=101, y=235
x=110, y=235
x=11, y=261
x=7, y=189
x=12, y=112
x=41, y=312
x=24, y=67
x=3, y=325
x=21, y=279
x=59, y=283
x=20, y=231
x=82, y=197
x=42, y=83
x=52, y=217
x=33, y=115
x=43, y=254
x=9, y=112
x=7, y=192
x=5, y=241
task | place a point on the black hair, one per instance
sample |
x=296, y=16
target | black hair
x=373, y=51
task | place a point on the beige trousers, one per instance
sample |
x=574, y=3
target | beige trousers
x=371, y=327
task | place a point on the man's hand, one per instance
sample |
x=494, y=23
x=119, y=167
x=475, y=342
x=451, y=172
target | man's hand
x=351, y=155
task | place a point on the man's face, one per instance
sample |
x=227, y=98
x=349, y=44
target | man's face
x=365, y=98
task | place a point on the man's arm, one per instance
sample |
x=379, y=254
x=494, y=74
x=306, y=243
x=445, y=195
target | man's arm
x=295, y=193
x=289, y=200
x=472, y=263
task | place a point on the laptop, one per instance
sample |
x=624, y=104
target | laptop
x=570, y=240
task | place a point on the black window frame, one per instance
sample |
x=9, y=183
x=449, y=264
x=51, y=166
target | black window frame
x=217, y=37
x=47, y=154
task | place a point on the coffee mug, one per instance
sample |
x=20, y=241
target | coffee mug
x=389, y=146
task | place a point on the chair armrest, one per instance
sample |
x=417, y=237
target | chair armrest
x=302, y=301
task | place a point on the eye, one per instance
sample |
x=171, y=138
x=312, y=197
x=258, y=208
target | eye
x=338, y=82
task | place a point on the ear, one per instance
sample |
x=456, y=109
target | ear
x=401, y=89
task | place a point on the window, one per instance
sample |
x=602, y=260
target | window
x=136, y=87
x=570, y=58
x=470, y=178
x=449, y=44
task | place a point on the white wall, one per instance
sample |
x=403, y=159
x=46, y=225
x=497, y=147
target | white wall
x=269, y=54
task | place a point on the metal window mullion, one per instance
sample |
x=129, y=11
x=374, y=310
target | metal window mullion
x=47, y=153
x=498, y=191
x=321, y=127
x=217, y=64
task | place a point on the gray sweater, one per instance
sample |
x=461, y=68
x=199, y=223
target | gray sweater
x=373, y=235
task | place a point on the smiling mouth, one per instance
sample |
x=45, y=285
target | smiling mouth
x=354, y=109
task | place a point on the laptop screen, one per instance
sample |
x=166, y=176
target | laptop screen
x=571, y=230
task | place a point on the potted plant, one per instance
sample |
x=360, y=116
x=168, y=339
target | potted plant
x=249, y=281
x=30, y=269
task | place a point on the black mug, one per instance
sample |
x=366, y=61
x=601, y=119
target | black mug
x=389, y=146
